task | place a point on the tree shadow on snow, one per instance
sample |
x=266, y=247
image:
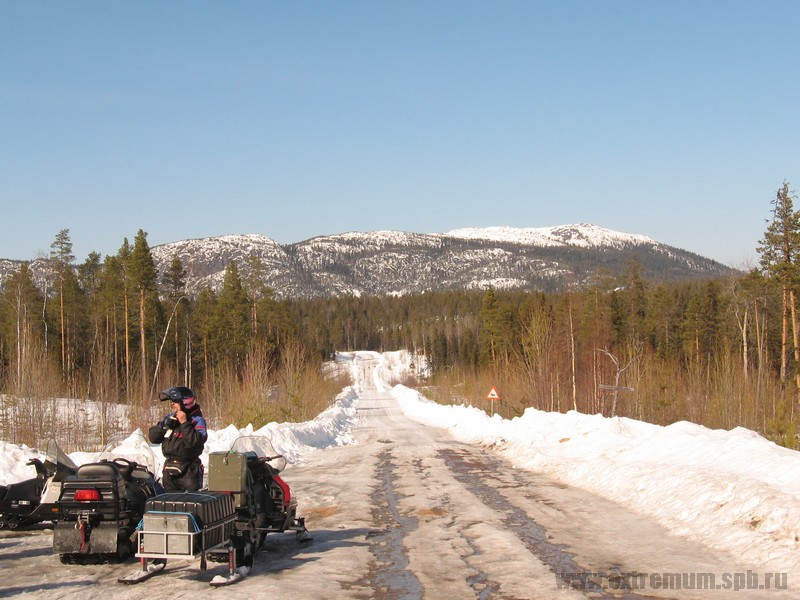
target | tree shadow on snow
x=31, y=552
x=39, y=587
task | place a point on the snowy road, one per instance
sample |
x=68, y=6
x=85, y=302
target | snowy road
x=407, y=512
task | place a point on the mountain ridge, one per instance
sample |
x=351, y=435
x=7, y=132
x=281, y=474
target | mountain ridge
x=399, y=262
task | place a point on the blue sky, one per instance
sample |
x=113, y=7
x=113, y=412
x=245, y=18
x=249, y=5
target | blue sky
x=677, y=120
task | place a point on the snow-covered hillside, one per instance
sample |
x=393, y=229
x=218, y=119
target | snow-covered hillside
x=398, y=262
x=582, y=235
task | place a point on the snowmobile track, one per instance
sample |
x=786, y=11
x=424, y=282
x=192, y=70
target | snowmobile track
x=389, y=575
x=475, y=472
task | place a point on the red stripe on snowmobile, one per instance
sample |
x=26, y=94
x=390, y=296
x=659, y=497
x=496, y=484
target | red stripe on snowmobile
x=287, y=493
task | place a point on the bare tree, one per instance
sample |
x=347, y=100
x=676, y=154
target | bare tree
x=619, y=371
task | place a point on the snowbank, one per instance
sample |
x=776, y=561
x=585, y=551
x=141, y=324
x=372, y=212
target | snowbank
x=731, y=489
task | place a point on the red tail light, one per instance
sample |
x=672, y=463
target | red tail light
x=87, y=495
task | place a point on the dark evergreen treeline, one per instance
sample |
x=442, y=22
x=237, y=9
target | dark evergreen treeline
x=706, y=351
x=117, y=331
x=721, y=352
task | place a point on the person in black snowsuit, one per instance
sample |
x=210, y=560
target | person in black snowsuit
x=182, y=434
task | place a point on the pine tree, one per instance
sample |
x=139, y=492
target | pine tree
x=62, y=258
x=233, y=319
x=203, y=326
x=253, y=283
x=113, y=306
x=143, y=275
x=490, y=328
x=124, y=261
x=780, y=253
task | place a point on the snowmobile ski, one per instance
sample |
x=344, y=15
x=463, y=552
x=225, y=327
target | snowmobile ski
x=304, y=536
x=221, y=580
x=140, y=575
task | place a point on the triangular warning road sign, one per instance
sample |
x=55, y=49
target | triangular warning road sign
x=493, y=395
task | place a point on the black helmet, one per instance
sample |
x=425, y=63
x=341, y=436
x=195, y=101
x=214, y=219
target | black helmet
x=180, y=394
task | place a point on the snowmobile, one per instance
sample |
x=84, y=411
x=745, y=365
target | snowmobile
x=101, y=505
x=245, y=500
x=34, y=500
x=264, y=502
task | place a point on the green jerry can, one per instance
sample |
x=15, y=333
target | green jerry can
x=227, y=472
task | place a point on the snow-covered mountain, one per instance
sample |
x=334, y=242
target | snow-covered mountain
x=206, y=259
x=583, y=235
x=398, y=262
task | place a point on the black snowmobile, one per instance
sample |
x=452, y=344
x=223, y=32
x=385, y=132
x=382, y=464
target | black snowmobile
x=245, y=500
x=265, y=503
x=34, y=500
x=101, y=505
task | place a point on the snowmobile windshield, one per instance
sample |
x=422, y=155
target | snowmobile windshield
x=132, y=447
x=56, y=459
x=262, y=447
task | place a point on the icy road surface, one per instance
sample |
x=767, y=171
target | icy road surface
x=409, y=513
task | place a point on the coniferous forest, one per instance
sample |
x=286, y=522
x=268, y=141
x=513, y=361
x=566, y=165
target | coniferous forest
x=721, y=353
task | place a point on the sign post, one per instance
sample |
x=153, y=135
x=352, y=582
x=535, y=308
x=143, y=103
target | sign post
x=492, y=396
